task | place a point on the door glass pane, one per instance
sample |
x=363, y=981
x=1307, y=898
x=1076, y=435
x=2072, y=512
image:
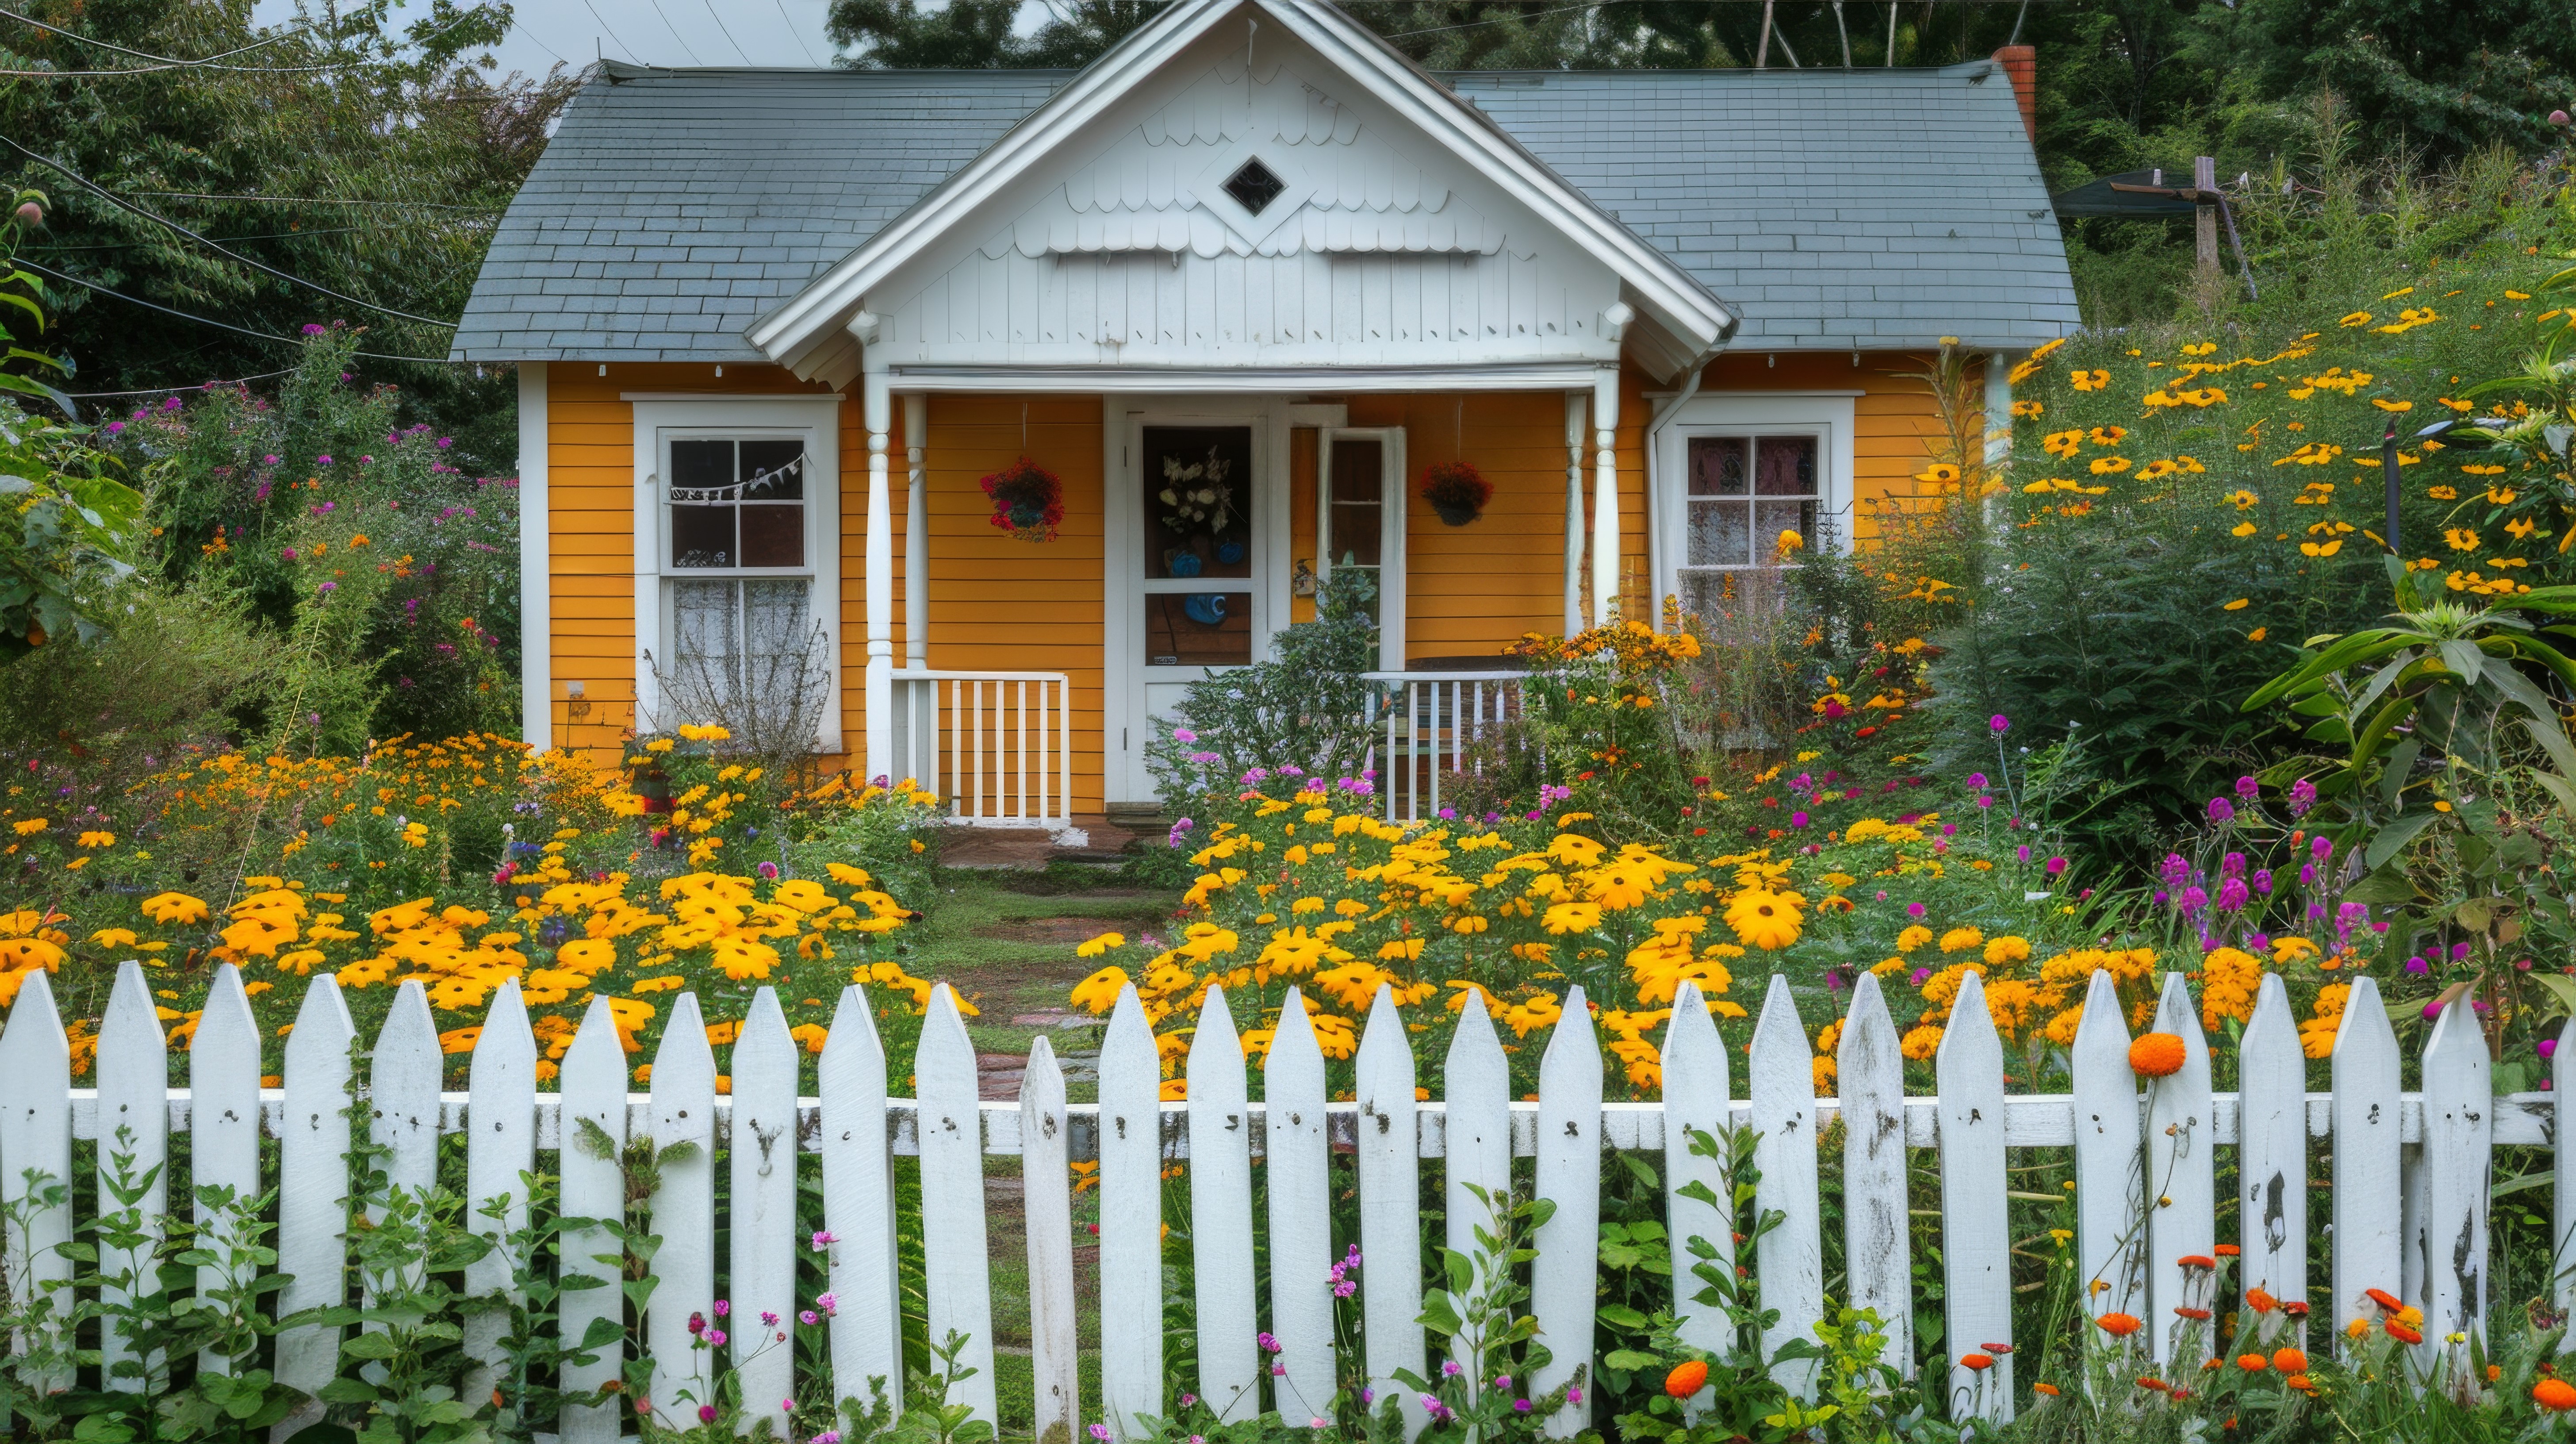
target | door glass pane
x=1718, y=534
x=1198, y=629
x=1198, y=501
x=1784, y=465
x=1717, y=466
x=1357, y=515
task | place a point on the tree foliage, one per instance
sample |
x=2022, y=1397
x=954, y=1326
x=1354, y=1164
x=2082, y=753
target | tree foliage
x=366, y=150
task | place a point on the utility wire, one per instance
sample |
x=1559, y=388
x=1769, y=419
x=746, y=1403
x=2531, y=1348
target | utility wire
x=716, y=16
x=123, y=204
x=167, y=63
x=263, y=236
x=799, y=34
x=631, y=57
x=322, y=201
x=207, y=320
x=165, y=390
x=685, y=47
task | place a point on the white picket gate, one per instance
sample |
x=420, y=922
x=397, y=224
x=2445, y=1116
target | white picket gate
x=2410, y=1172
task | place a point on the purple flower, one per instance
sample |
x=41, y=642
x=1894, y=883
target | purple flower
x=322, y=461
x=2176, y=871
x=1269, y=1342
x=115, y=427
x=1797, y=819
x=824, y=1239
x=706, y=1412
x=716, y=1338
x=723, y=1307
x=1450, y=1369
x=808, y=1316
x=2248, y=788
x=1502, y=1381
x=1100, y=1431
x=769, y=870
x=327, y=588
x=1985, y=800
x=1999, y=724
x=2321, y=847
x=288, y=554
x=1368, y=1396
x=1914, y=910
x=2303, y=795
x=2546, y=1047
x=769, y=1320
x=2193, y=899
x=830, y=1304
x=270, y=460
x=1919, y=976
x=2221, y=810
x=1520, y=1406
x=2022, y=853
x=314, y=328
x=828, y=1436
x=2232, y=895
x=1977, y=780
x=1202, y=759
x=1344, y=1289
x=697, y=1322
x=2263, y=881
x=1184, y=735
x=1574, y=1396
x=1255, y=777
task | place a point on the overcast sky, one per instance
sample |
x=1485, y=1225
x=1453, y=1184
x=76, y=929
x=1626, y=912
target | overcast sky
x=649, y=32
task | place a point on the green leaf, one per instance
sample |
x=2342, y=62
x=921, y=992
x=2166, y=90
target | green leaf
x=2394, y=837
x=1620, y=1316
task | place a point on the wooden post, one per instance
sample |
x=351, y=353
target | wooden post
x=2204, y=219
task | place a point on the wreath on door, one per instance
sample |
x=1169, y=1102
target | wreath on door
x=1028, y=500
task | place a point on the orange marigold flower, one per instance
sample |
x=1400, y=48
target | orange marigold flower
x=2385, y=1300
x=2159, y=1385
x=2290, y=1361
x=2050, y=1390
x=2156, y=1055
x=1978, y=1363
x=2196, y=1261
x=1686, y=1378
x=2260, y=1302
x=2252, y=1363
x=2227, y=1250
x=2299, y=1382
x=2402, y=1334
x=2197, y=1316
x=2118, y=1326
x=2555, y=1395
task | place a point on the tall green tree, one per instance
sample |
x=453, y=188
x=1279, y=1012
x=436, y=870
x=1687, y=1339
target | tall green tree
x=346, y=165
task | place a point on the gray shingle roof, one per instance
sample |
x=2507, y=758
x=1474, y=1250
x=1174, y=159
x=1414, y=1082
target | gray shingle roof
x=1837, y=210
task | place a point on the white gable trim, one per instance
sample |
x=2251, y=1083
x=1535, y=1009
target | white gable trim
x=808, y=327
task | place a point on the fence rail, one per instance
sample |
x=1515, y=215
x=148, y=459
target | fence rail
x=996, y=746
x=1430, y=722
x=2411, y=1173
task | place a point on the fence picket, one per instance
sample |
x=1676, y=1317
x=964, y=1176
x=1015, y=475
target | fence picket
x=2562, y=1258
x=313, y=1187
x=1390, y=1177
x=1695, y=1099
x=1131, y=1219
x=1301, y=1220
x=2415, y=1201
x=2272, y=1154
x=858, y=1206
x=762, y=1227
x=1976, y=1236
x=1565, y=1276
x=1221, y=1215
x=593, y=1080
x=2109, y=1186
x=1877, y=1234
x=403, y=1075
x=223, y=1125
x=2459, y=1147
x=1790, y=1259
x=1055, y=1347
x=2182, y=1136
x=134, y=1122
x=2368, y=1234
x=959, y=1274
x=500, y=1150
x=1478, y=1117
x=36, y=1138
x=683, y=1112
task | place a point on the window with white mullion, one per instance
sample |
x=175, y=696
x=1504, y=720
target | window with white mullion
x=1741, y=492
x=738, y=565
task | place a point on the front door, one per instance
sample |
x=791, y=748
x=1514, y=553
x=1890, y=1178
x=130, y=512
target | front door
x=1196, y=570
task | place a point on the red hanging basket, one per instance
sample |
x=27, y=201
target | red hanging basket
x=1028, y=500
x=1456, y=491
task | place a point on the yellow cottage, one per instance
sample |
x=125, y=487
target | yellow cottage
x=1250, y=300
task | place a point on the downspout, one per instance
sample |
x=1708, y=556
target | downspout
x=1658, y=538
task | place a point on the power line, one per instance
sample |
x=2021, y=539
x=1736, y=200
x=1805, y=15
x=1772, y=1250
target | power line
x=123, y=204
x=206, y=320
x=612, y=32
x=322, y=201
x=792, y=30
x=167, y=63
x=1495, y=20
x=165, y=390
x=728, y=31
x=685, y=47
x=52, y=250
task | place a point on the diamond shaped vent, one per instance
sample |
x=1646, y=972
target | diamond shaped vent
x=1255, y=186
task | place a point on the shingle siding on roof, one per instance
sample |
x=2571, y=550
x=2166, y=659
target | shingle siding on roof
x=1861, y=210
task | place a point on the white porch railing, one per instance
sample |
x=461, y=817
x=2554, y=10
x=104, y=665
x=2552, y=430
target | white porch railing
x=996, y=746
x=1429, y=723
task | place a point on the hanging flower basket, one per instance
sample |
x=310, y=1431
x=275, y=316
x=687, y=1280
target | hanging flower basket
x=1028, y=500
x=1456, y=491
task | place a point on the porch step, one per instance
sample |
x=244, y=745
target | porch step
x=1103, y=841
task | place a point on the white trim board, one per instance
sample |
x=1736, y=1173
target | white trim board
x=1160, y=381
x=819, y=418
x=536, y=567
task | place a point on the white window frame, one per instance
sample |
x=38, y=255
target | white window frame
x=816, y=420
x=1827, y=416
x=1392, y=523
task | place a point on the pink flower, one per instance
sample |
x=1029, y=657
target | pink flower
x=824, y=1239
x=706, y=1412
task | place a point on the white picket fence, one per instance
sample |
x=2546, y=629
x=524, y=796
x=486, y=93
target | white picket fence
x=2410, y=1173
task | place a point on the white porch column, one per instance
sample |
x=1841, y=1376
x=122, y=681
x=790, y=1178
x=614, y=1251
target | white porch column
x=1999, y=417
x=1605, y=496
x=1574, y=404
x=916, y=536
x=877, y=403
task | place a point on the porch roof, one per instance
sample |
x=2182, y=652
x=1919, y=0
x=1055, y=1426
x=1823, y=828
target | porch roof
x=1837, y=210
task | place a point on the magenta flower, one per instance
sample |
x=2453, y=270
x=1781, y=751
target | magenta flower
x=1999, y=724
x=824, y=1239
x=723, y=1307
x=2221, y=810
